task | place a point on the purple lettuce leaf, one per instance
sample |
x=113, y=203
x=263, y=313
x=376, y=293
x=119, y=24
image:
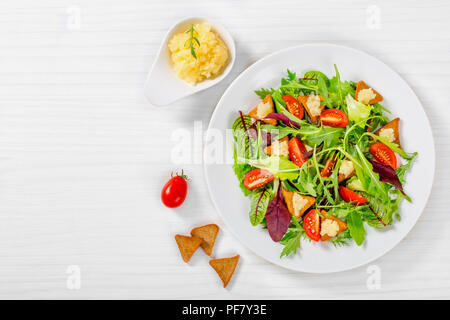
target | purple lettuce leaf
x=265, y=136
x=387, y=174
x=278, y=217
x=281, y=117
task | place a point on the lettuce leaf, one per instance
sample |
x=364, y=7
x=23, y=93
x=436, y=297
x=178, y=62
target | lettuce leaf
x=357, y=111
x=280, y=167
x=259, y=201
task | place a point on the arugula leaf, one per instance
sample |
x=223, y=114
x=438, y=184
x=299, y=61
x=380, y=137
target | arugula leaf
x=262, y=93
x=322, y=86
x=368, y=178
x=328, y=135
x=356, y=227
x=401, y=171
x=341, y=239
x=291, y=242
x=292, y=238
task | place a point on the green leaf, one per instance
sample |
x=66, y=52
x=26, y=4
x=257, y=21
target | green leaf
x=280, y=167
x=240, y=170
x=244, y=145
x=313, y=74
x=241, y=149
x=262, y=93
x=323, y=91
x=292, y=238
x=259, y=200
x=369, y=179
x=292, y=243
x=328, y=135
x=356, y=227
x=357, y=111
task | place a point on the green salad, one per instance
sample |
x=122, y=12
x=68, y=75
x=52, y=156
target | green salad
x=320, y=160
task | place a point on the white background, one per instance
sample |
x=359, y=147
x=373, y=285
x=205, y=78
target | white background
x=83, y=155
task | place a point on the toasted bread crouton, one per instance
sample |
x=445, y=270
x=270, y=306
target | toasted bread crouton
x=187, y=245
x=346, y=170
x=297, y=203
x=312, y=106
x=278, y=148
x=263, y=109
x=391, y=131
x=334, y=225
x=225, y=268
x=366, y=94
x=208, y=234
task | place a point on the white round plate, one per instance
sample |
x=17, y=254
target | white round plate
x=353, y=65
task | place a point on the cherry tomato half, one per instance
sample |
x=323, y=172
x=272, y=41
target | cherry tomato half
x=334, y=118
x=329, y=166
x=257, y=178
x=311, y=223
x=382, y=153
x=297, y=151
x=293, y=106
x=349, y=196
x=174, y=191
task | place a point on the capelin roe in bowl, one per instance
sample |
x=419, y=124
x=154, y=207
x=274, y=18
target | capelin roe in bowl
x=198, y=53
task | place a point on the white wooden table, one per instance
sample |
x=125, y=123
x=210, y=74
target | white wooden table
x=83, y=155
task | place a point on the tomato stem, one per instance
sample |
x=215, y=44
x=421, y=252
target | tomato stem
x=182, y=175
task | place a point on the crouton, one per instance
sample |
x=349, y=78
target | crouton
x=263, y=109
x=297, y=203
x=366, y=94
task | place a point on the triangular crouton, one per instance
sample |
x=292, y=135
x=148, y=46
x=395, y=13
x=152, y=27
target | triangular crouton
x=363, y=86
x=263, y=109
x=345, y=174
x=394, y=125
x=187, y=245
x=289, y=199
x=208, y=234
x=225, y=268
x=314, y=117
x=282, y=144
x=342, y=225
x=342, y=177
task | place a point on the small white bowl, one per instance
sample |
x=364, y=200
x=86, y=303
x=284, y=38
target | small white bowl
x=162, y=86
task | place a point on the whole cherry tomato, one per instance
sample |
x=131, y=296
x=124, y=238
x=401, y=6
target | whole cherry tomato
x=174, y=191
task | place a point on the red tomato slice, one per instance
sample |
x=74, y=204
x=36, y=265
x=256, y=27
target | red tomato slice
x=349, y=196
x=382, y=153
x=293, y=106
x=257, y=178
x=334, y=118
x=297, y=151
x=329, y=165
x=311, y=223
